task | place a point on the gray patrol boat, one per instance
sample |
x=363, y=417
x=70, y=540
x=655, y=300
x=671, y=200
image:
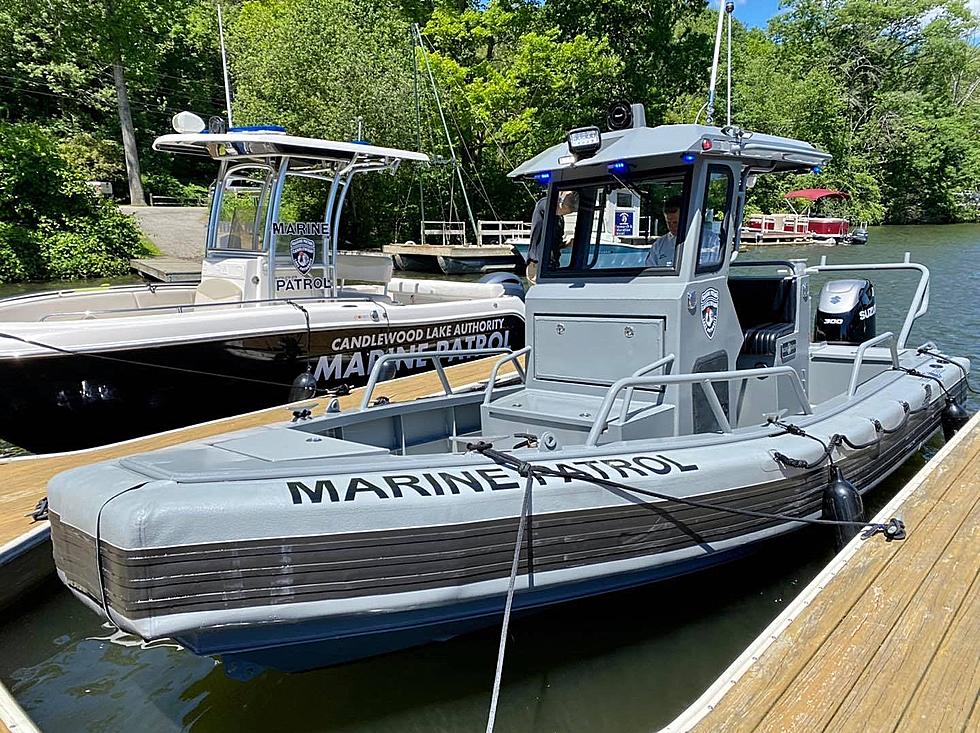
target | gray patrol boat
x=676, y=408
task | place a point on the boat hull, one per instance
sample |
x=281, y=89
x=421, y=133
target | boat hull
x=68, y=402
x=375, y=561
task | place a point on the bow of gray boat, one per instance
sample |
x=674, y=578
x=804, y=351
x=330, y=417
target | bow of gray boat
x=677, y=404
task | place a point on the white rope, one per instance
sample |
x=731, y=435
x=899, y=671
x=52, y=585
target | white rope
x=502, y=647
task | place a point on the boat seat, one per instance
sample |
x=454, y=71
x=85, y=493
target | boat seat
x=761, y=339
x=217, y=290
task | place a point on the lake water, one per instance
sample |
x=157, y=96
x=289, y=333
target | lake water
x=625, y=662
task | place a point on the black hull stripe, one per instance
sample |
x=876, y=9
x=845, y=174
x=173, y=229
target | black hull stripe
x=214, y=576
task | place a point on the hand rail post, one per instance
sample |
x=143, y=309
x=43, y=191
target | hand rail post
x=628, y=397
x=853, y=385
x=515, y=357
x=602, y=417
x=433, y=356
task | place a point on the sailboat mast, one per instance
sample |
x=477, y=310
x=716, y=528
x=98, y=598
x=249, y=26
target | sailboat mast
x=449, y=140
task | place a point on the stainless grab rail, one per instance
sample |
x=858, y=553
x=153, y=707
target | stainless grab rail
x=853, y=385
x=705, y=378
x=435, y=356
x=920, y=300
x=515, y=357
x=642, y=371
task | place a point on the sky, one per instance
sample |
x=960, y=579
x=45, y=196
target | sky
x=755, y=13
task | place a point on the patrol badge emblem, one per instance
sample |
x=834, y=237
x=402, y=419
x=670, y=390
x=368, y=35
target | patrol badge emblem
x=709, y=311
x=302, y=250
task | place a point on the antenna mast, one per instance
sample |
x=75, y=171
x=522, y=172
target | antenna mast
x=729, y=10
x=224, y=64
x=722, y=12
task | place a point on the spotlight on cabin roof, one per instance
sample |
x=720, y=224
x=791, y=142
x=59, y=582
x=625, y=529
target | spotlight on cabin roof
x=187, y=122
x=584, y=142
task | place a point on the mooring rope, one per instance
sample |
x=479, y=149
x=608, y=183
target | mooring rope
x=515, y=564
x=943, y=359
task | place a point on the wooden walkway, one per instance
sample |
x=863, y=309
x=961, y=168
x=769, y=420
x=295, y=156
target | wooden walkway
x=24, y=479
x=887, y=637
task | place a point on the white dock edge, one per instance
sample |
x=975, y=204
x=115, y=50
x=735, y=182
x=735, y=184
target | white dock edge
x=720, y=687
x=13, y=716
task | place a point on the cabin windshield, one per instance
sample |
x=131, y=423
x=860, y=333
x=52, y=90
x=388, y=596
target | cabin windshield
x=616, y=227
x=241, y=217
x=304, y=200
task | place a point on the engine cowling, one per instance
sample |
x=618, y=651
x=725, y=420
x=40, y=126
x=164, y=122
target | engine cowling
x=846, y=313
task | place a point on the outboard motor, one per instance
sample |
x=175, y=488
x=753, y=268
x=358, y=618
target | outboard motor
x=846, y=314
x=510, y=282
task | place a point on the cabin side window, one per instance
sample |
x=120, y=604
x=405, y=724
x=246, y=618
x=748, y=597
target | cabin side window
x=621, y=227
x=241, y=218
x=716, y=214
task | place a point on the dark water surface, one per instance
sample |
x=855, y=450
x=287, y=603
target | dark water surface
x=624, y=662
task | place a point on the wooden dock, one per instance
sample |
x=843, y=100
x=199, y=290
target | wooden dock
x=25, y=556
x=887, y=637
x=168, y=269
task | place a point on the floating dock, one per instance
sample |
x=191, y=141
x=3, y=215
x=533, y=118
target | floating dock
x=25, y=552
x=168, y=269
x=886, y=637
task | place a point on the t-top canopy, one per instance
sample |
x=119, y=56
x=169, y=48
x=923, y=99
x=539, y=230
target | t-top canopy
x=815, y=194
x=666, y=144
x=262, y=145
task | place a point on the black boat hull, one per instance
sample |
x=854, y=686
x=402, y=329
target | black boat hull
x=73, y=401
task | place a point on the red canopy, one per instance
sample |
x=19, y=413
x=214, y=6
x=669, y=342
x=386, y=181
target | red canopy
x=814, y=194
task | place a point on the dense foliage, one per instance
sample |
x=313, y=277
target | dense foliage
x=52, y=223
x=889, y=87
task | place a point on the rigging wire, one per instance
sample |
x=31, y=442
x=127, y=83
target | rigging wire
x=486, y=127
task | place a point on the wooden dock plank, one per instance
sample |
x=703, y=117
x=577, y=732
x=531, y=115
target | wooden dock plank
x=911, y=644
x=753, y=698
x=945, y=697
x=23, y=480
x=812, y=698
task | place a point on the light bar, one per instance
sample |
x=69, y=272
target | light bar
x=584, y=142
x=619, y=167
x=543, y=178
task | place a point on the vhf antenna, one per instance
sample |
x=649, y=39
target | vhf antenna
x=224, y=65
x=729, y=9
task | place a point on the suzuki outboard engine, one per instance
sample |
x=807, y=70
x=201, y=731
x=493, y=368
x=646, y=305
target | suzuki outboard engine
x=846, y=314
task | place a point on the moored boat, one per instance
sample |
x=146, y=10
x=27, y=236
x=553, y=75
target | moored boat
x=677, y=411
x=805, y=226
x=277, y=299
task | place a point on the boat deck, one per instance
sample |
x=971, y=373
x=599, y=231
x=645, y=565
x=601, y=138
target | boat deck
x=24, y=479
x=887, y=637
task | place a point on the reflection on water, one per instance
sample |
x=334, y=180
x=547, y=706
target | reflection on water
x=623, y=662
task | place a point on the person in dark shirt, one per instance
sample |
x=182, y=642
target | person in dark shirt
x=567, y=204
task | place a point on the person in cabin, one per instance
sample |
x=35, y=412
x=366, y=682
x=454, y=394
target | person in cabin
x=567, y=204
x=664, y=248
